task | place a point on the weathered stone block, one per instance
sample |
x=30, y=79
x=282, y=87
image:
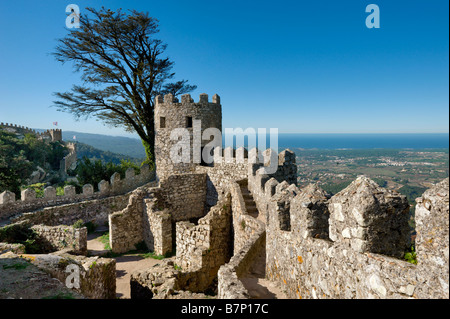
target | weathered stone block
x=88, y=189
x=7, y=197
x=50, y=192
x=28, y=194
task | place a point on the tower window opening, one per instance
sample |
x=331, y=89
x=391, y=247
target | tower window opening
x=188, y=121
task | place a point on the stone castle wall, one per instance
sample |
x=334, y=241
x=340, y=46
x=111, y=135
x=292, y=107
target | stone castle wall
x=94, y=210
x=260, y=184
x=181, y=196
x=171, y=114
x=9, y=206
x=249, y=241
x=201, y=250
x=47, y=238
x=70, y=159
x=366, y=232
x=97, y=276
x=205, y=246
x=54, y=238
x=52, y=135
x=229, y=165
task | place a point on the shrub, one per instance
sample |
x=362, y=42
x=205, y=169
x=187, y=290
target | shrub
x=78, y=224
x=411, y=255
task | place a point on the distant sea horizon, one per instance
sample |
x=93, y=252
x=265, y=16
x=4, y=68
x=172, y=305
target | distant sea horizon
x=336, y=141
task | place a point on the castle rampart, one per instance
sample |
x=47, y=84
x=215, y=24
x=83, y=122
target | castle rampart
x=352, y=263
x=53, y=135
x=249, y=242
x=28, y=202
x=171, y=114
x=182, y=196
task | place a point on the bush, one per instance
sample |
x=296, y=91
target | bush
x=78, y=224
x=38, y=188
x=411, y=256
x=92, y=172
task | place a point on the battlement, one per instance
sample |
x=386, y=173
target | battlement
x=355, y=240
x=15, y=127
x=50, y=134
x=170, y=100
x=28, y=201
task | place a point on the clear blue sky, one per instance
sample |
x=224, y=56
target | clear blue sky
x=300, y=66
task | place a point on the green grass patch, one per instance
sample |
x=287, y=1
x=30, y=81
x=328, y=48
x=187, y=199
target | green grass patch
x=16, y=266
x=152, y=255
x=104, y=239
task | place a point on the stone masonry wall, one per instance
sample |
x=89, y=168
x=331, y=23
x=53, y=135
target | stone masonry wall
x=126, y=226
x=432, y=242
x=244, y=225
x=223, y=172
x=54, y=238
x=353, y=262
x=95, y=211
x=181, y=196
x=9, y=206
x=171, y=114
x=201, y=250
x=249, y=242
x=205, y=246
x=47, y=238
x=97, y=276
x=286, y=173
x=184, y=195
x=157, y=226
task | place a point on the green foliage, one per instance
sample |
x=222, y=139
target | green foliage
x=78, y=224
x=176, y=267
x=18, y=234
x=153, y=255
x=381, y=182
x=104, y=239
x=19, y=157
x=92, y=172
x=412, y=192
x=16, y=266
x=149, y=153
x=84, y=150
x=335, y=188
x=15, y=168
x=411, y=255
x=40, y=152
x=38, y=188
x=126, y=47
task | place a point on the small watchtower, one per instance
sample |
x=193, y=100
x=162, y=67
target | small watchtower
x=173, y=118
x=56, y=135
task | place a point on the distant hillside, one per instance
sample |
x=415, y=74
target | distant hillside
x=106, y=156
x=115, y=144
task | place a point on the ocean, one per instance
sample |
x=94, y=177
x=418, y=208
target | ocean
x=357, y=141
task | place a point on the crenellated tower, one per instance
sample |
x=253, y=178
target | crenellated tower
x=174, y=121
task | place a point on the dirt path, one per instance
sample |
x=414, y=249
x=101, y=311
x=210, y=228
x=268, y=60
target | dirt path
x=125, y=264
